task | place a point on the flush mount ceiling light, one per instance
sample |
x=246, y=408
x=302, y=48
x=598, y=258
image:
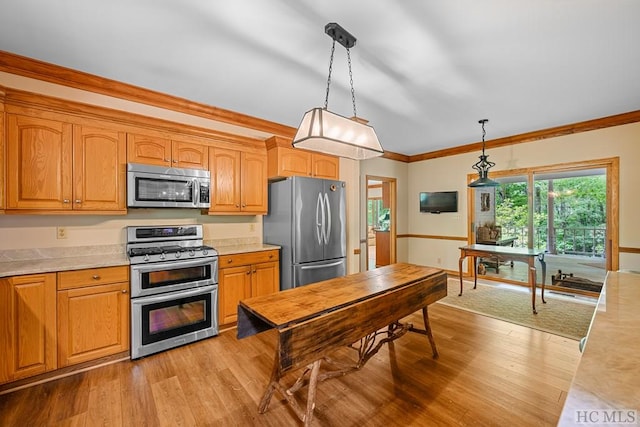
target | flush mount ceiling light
x=483, y=166
x=330, y=133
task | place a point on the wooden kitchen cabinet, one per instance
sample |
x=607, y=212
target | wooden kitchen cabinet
x=58, y=166
x=157, y=151
x=244, y=276
x=287, y=161
x=27, y=326
x=93, y=314
x=238, y=182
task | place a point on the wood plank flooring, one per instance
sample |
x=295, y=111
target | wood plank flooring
x=490, y=373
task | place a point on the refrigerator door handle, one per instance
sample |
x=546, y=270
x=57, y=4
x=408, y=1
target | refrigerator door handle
x=327, y=226
x=315, y=267
x=319, y=219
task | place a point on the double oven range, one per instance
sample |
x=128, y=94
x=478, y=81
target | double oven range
x=174, y=287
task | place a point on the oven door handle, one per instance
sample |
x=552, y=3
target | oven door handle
x=152, y=299
x=170, y=265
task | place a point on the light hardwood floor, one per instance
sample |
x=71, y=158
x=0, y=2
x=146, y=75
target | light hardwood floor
x=490, y=373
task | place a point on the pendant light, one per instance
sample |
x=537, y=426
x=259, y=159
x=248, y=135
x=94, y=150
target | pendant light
x=330, y=133
x=483, y=166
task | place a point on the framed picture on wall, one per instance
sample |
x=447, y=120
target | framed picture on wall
x=485, y=202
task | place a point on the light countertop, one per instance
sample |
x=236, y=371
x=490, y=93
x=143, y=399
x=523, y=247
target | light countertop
x=36, y=261
x=608, y=376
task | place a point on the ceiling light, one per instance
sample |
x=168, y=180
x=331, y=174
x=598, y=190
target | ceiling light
x=483, y=166
x=330, y=133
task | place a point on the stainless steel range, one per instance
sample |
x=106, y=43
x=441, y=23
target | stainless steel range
x=174, y=287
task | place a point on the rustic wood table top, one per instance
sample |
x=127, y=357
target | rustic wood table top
x=296, y=305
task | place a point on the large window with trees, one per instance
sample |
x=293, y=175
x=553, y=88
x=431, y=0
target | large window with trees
x=565, y=210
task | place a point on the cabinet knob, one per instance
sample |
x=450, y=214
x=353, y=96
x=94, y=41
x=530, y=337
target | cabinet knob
x=244, y=205
x=95, y=277
x=248, y=271
x=124, y=291
x=78, y=201
x=65, y=201
x=229, y=261
x=175, y=161
x=167, y=160
x=270, y=256
x=254, y=271
x=237, y=205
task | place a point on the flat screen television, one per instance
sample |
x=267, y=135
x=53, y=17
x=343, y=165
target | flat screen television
x=439, y=201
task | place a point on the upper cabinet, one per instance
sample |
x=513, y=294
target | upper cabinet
x=57, y=166
x=285, y=161
x=238, y=182
x=166, y=152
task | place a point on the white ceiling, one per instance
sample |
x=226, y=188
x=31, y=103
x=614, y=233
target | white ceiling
x=424, y=72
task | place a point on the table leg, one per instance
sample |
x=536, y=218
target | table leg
x=273, y=383
x=311, y=395
x=427, y=328
x=475, y=271
x=462, y=257
x=532, y=282
x=544, y=274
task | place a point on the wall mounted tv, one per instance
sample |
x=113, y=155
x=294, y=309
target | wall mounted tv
x=439, y=201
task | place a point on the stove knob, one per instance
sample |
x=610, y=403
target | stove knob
x=162, y=256
x=178, y=254
x=192, y=252
x=205, y=251
x=146, y=257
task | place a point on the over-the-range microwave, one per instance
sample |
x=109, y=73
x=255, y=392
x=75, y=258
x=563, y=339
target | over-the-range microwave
x=161, y=187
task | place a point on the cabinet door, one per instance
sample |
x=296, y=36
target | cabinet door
x=225, y=180
x=265, y=278
x=28, y=333
x=234, y=284
x=323, y=166
x=190, y=155
x=2, y=158
x=291, y=162
x=254, y=183
x=99, y=169
x=148, y=150
x=92, y=322
x=38, y=163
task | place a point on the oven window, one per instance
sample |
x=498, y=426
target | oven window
x=160, y=278
x=164, y=320
x=153, y=190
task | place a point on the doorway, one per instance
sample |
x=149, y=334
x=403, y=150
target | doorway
x=381, y=221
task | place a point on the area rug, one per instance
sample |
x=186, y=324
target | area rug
x=560, y=316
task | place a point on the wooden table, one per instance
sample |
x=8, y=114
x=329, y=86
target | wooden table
x=506, y=253
x=507, y=241
x=361, y=311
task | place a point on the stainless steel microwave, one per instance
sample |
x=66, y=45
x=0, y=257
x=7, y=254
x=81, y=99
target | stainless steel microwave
x=161, y=187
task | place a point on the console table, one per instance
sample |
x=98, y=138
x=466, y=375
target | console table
x=507, y=241
x=361, y=311
x=506, y=253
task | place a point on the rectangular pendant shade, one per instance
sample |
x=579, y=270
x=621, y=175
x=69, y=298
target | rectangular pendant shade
x=329, y=133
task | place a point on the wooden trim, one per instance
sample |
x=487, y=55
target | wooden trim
x=390, y=155
x=64, y=372
x=589, y=125
x=435, y=237
x=35, y=69
x=627, y=250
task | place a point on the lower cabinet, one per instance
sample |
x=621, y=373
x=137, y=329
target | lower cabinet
x=93, y=314
x=27, y=326
x=244, y=276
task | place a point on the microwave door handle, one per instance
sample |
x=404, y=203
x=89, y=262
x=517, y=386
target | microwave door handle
x=196, y=192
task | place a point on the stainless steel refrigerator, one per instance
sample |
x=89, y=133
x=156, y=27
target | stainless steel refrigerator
x=307, y=218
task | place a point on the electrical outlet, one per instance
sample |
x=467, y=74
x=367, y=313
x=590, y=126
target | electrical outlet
x=61, y=232
x=252, y=227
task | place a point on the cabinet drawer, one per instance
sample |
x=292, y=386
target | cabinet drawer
x=248, y=258
x=92, y=277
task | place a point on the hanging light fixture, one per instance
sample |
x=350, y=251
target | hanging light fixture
x=330, y=133
x=483, y=166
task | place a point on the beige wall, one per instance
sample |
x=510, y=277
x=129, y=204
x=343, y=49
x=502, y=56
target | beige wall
x=449, y=173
